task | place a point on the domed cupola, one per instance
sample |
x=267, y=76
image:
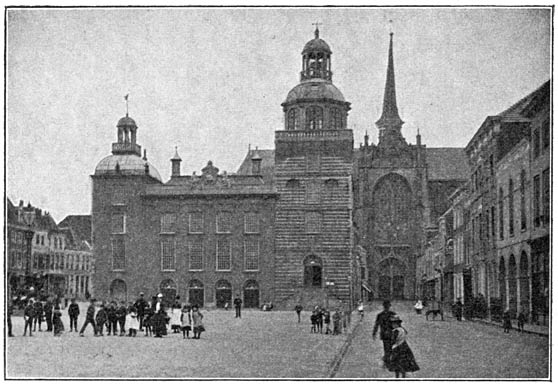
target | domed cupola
x=126, y=157
x=315, y=103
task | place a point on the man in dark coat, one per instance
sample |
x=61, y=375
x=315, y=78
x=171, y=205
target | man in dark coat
x=73, y=312
x=111, y=318
x=237, y=305
x=383, y=322
x=458, y=310
x=38, y=315
x=89, y=318
x=9, y=313
x=140, y=305
x=28, y=314
x=298, y=309
x=47, y=308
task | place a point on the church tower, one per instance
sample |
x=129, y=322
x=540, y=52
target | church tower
x=391, y=200
x=313, y=168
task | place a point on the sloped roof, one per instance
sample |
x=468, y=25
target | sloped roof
x=80, y=226
x=267, y=166
x=447, y=164
x=519, y=109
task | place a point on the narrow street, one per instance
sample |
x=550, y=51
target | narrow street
x=449, y=349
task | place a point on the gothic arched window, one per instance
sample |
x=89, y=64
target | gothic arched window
x=314, y=118
x=292, y=119
x=392, y=207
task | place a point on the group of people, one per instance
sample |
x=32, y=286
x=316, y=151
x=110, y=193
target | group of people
x=334, y=321
x=150, y=317
x=398, y=356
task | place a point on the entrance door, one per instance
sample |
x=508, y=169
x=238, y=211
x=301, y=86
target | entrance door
x=384, y=287
x=223, y=293
x=251, y=294
x=398, y=287
x=196, y=293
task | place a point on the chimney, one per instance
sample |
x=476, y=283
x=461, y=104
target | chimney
x=256, y=163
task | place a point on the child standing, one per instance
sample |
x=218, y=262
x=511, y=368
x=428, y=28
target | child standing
x=197, y=318
x=111, y=318
x=186, y=322
x=101, y=319
x=327, y=320
x=147, y=316
x=121, y=317
x=521, y=320
x=175, y=321
x=314, y=321
x=57, y=324
x=28, y=314
x=133, y=322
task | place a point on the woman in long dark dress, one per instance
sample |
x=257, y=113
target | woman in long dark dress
x=401, y=359
x=58, y=326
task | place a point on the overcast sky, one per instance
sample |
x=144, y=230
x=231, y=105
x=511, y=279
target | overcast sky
x=211, y=81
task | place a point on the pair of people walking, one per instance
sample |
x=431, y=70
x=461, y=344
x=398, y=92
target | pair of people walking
x=398, y=356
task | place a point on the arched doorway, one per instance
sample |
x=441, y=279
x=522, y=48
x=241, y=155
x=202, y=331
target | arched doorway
x=195, y=293
x=502, y=280
x=168, y=289
x=223, y=293
x=118, y=290
x=391, y=284
x=251, y=294
x=524, y=282
x=512, y=281
x=312, y=271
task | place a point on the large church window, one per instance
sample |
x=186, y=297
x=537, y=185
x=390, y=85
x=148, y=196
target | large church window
x=118, y=253
x=314, y=118
x=392, y=207
x=292, y=119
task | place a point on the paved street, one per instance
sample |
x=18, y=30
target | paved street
x=261, y=344
x=449, y=349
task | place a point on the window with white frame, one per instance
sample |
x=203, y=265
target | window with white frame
x=167, y=254
x=195, y=253
x=223, y=254
x=118, y=223
x=224, y=222
x=252, y=222
x=251, y=253
x=168, y=223
x=195, y=222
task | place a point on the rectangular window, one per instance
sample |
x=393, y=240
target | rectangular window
x=252, y=222
x=501, y=214
x=312, y=192
x=118, y=198
x=251, y=254
x=168, y=223
x=118, y=223
x=545, y=196
x=536, y=142
x=545, y=133
x=118, y=254
x=313, y=163
x=511, y=207
x=195, y=251
x=313, y=222
x=195, y=222
x=167, y=254
x=223, y=254
x=536, y=201
x=224, y=222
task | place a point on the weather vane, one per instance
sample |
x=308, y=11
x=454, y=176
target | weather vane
x=391, y=27
x=126, y=99
x=317, y=32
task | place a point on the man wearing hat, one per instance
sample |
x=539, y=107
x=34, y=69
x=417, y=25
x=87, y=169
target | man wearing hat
x=89, y=318
x=383, y=321
x=140, y=305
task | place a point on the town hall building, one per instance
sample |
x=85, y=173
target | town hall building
x=312, y=220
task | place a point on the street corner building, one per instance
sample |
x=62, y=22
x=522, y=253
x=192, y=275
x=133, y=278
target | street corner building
x=312, y=221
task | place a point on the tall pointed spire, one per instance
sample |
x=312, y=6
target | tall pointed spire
x=390, y=115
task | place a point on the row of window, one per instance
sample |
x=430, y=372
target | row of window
x=195, y=253
x=77, y=285
x=314, y=119
x=59, y=261
x=55, y=241
x=223, y=223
